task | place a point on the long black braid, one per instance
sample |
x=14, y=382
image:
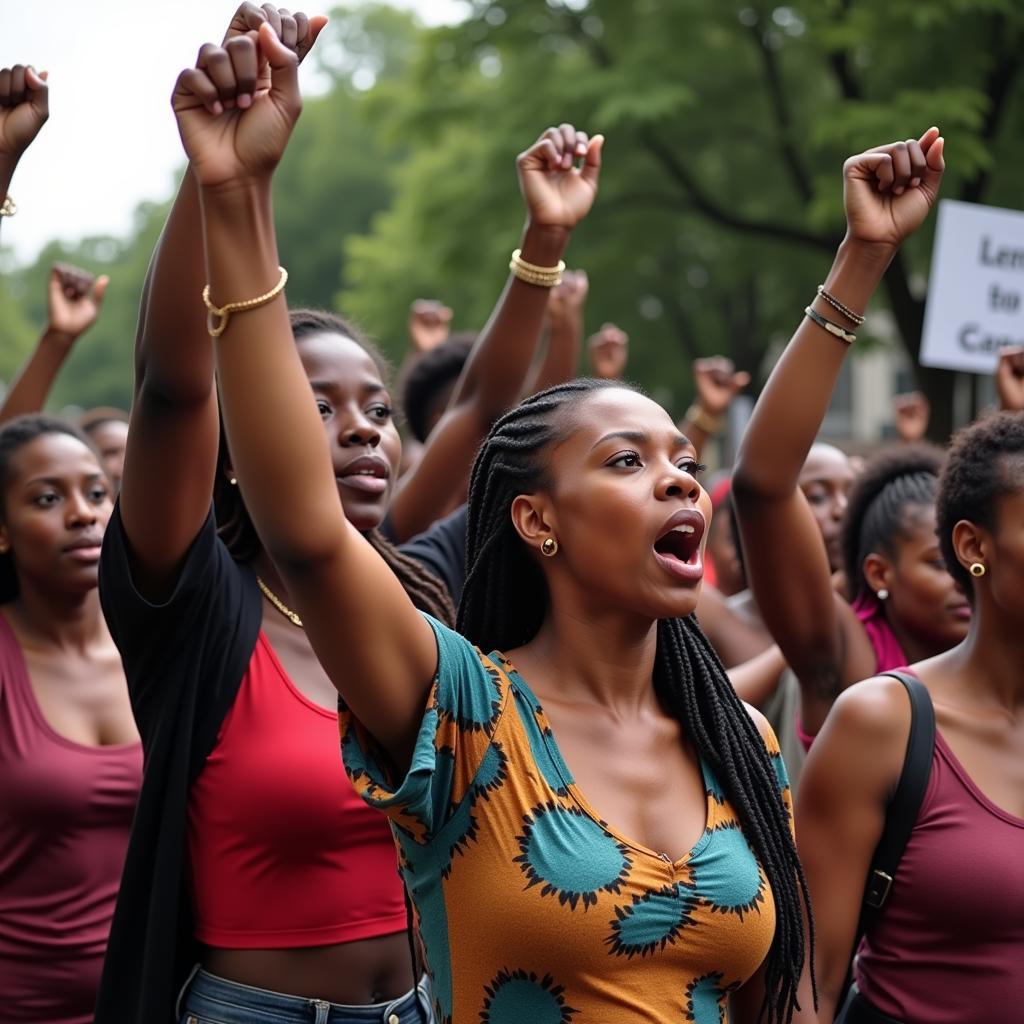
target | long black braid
x=235, y=527
x=505, y=601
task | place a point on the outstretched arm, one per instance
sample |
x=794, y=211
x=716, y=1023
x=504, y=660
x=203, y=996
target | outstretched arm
x=565, y=332
x=374, y=645
x=24, y=109
x=718, y=383
x=171, y=455
x=558, y=195
x=888, y=193
x=75, y=298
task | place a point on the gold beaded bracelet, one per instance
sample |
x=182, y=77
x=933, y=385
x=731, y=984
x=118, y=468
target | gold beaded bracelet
x=223, y=313
x=544, y=277
x=703, y=420
x=9, y=207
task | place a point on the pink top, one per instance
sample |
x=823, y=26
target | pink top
x=949, y=945
x=65, y=813
x=888, y=653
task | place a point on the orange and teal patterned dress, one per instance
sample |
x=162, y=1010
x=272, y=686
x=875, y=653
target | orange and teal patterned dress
x=533, y=910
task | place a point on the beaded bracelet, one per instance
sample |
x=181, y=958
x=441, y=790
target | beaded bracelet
x=223, y=313
x=828, y=325
x=544, y=277
x=854, y=318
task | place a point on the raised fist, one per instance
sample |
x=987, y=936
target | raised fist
x=718, y=383
x=889, y=191
x=74, y=299
x=231, y=131
x=1010, y=379
x=566, y=300
x=297, y=31
x=429, y=324
x=609, y=352
x=24, y=108
x=911, y=412
x=557, y=192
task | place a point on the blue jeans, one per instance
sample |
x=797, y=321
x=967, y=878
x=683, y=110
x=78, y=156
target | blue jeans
x=207, y=999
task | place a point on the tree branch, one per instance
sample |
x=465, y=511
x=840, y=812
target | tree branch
x=704, y=203
x=783, y=118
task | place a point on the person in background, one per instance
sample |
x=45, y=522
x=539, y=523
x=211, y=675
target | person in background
x=107, y=428
x=911, y=413
x=789, y=568
x=947, y=948
x=70, y=757
x=74, y=299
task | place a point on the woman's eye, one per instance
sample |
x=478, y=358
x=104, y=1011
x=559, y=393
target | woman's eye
x=99, y=494
x=323, y=408
x=45, y=500
x=692, y=466
x=382, y=412
x=629, y=460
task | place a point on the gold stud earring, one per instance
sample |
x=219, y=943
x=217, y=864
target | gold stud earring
x=550, y=546
x=977, y=570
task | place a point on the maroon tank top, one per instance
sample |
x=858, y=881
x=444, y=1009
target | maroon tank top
x=949, y=946
x=65, y=813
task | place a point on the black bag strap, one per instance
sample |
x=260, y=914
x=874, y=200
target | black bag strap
x=901, y=814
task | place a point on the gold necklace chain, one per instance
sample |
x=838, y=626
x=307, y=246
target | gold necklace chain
x=292, y=617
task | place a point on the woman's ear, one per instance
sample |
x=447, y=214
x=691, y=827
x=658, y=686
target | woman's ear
x=533, y=518
x=971, y=543
x=878, y=573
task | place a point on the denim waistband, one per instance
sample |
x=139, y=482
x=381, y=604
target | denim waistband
x=229, y=1002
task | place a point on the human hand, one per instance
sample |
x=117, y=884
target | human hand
x=911, y=412
x=24, y=108
x=888, y=191
x=74, y=300
x=609, y=352
x=557, y=193
x=1010, y=379
x=429, y=324
x=232, y=133
x=718, y=383
x=297, y=31
x=566, y=300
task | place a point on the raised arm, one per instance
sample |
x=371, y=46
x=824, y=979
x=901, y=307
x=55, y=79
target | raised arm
x=172, y=447
x=374, y=645
x=718, y=382
x=74, y=300
x=24, y=109
x=558, y=195
x=566, y=304
x=888, y=193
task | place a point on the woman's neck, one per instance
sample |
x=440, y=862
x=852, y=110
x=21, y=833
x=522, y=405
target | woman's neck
x=992, y=657
x=62, y=620
x=597, y=658
x=914, y=648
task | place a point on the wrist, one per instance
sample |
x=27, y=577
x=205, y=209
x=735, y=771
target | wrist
x=236, y=192
x=703, y=419
x=871, y=255
x=55, y=337
x=544, y=244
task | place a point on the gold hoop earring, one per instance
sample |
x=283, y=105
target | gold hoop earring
x=977, y=570
x=549, y=547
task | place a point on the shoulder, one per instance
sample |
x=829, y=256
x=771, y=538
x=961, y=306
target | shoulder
x=763, y=727
x=875, y=711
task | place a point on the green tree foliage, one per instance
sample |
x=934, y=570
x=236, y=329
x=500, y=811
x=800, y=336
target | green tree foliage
x=727, y=124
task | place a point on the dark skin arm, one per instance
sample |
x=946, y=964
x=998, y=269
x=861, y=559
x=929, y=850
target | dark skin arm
x=756, y=680
x=718, y=383
x=75, y=298
x=171, y=454
x=846, y=782
x=496, y=370
x=24, y=109
x=565, y=332
x=888, y=193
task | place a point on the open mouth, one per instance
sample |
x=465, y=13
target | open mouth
x=677, y=547
x=368, y=474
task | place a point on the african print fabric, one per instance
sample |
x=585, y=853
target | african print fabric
x=531, y=908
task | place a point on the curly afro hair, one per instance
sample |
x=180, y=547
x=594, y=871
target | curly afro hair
x=429, y=380
x=985, y=463
x=894, y=485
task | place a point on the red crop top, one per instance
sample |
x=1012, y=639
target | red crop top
x=283, y=852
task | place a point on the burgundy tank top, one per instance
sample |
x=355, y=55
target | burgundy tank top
x=949, y=946
x=65, y=813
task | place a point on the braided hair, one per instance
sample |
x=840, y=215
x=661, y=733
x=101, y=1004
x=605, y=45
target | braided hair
x=894, y=486
x=14, y=435
x=504, y=603
x=235, y=527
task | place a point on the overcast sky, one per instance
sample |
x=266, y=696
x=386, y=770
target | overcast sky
x=111, y=140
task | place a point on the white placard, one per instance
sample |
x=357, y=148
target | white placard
x=976, y=289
